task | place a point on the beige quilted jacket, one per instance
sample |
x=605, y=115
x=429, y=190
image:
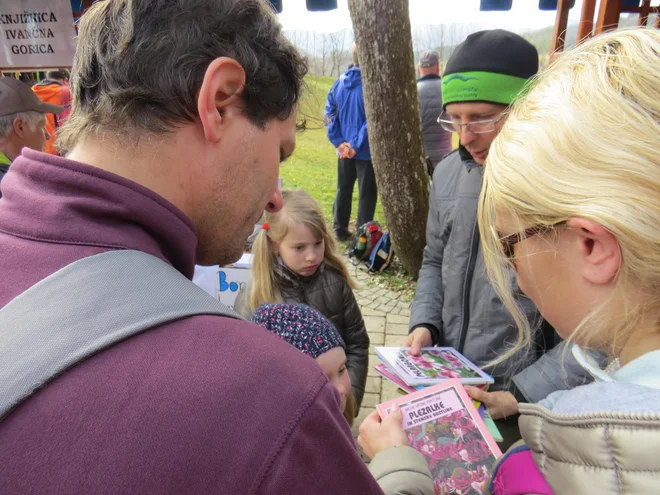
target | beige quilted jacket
x=594, y=453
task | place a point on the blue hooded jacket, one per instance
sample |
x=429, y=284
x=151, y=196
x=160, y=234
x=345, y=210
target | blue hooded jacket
x=345, y=118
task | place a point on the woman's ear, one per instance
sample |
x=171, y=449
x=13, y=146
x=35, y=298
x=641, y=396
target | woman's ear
x=599, y=251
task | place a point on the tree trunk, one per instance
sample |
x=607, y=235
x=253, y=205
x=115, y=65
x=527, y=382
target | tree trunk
x=382, y=34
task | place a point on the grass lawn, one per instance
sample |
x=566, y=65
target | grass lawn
x=313, y=166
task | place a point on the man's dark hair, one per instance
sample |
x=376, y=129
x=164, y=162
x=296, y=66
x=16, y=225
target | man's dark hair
x=139, y=64
x=57, y=75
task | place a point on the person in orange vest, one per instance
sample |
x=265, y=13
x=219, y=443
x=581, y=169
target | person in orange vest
x=54, y=90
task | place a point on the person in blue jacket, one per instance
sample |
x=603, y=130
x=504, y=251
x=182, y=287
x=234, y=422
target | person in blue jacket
x=346, y=123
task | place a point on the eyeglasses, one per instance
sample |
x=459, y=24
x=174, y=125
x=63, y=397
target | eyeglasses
x=477, y=127
x=509, y=241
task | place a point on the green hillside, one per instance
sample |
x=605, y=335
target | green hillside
x=313, y=166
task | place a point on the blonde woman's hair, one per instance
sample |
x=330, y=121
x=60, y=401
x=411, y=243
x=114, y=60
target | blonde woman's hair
x=585, y=142
x=299, y=208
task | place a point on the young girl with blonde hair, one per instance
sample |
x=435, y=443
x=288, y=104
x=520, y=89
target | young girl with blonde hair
x=571, y=201
x=296, y=260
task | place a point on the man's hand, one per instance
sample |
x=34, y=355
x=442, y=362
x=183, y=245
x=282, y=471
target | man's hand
x=342, y=150
x=350, y=152
x=418, y=338
x=376, y=435
x=499, y=404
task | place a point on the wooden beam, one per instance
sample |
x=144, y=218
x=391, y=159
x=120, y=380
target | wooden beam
x=586, y=27
x=608, y=16
x=638, y=10
x=644, y=14
x=561, y=24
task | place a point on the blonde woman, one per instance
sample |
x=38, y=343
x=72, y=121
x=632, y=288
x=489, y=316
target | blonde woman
x=296, y=261
x=571, y=200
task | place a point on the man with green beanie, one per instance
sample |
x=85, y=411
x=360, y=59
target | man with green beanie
x=455, y=304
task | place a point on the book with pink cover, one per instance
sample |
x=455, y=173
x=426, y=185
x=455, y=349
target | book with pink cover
x=384, y=371
x=443, y=425
x=404, y=389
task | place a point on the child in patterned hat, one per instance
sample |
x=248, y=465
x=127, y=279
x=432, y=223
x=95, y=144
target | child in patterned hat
x=310, y=332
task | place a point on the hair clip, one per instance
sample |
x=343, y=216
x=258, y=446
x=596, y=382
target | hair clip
x=265, y=226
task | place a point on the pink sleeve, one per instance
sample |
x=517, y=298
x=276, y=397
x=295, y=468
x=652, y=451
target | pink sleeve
x=517, y=474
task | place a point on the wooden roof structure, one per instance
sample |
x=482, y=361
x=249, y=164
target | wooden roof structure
x=609, y=12
x=79, y=6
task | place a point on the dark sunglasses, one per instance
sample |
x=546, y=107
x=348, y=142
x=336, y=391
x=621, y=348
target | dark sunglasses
x=509, y=241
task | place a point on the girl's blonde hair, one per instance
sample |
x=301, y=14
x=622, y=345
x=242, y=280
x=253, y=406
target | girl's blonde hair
x=585, y=142
x=351, y=406
x=299, y=208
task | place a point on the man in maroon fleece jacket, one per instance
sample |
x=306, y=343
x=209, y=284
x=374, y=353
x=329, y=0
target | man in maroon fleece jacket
x=182, y=113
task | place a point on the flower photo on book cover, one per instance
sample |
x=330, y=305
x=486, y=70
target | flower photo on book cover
x=456, y=453
x=438, y=363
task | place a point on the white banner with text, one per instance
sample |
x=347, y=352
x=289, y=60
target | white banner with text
x=36, y=34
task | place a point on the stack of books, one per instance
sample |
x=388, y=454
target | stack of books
x=432, y=366
x=455, y=434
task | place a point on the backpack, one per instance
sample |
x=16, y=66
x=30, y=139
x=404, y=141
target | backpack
x=85, y=308
x=366, y=237
x=382, y=254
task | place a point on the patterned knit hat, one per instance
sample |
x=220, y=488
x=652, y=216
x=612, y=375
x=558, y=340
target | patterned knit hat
x=491, y=66
x=303, y=327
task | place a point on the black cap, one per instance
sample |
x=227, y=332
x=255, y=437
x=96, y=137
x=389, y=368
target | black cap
x=497, y=51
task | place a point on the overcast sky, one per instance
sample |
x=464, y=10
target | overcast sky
x=524, y=15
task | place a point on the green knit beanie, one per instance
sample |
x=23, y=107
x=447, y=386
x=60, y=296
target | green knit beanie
x=491, y=66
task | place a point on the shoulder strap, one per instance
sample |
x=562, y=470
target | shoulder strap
x=85, y=308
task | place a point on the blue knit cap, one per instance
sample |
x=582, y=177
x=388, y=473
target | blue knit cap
x=303, y=327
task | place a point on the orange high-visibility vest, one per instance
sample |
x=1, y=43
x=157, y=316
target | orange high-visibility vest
x=58, y=94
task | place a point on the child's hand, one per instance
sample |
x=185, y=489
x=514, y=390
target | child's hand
x=376, y=435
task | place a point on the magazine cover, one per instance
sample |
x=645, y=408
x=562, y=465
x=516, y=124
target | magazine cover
x=444, y=427
x=433, y=365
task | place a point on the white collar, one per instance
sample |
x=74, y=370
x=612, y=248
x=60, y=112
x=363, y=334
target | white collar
x=644, y=370
x=592, y=366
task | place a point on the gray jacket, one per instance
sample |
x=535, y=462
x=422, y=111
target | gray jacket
x=602, y=438
x=456, y=300
x=437, y=141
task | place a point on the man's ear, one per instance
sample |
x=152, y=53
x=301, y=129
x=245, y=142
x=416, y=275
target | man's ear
x=221, y=91
x=20, y=127
x=599, y=250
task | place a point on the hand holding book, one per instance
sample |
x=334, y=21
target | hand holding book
x=442, y=424
x=378, y=434
x=432, y=365
x=417, y=339
x=500, y=404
